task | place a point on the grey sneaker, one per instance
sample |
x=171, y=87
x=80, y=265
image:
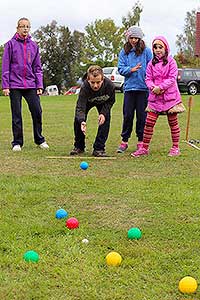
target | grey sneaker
x=76, y=151
x=122, y=147
x=99, y=153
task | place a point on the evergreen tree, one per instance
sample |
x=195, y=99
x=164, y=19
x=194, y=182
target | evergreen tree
x=57, y=54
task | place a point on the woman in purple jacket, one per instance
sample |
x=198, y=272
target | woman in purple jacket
x=164, y=96
x=22, y=77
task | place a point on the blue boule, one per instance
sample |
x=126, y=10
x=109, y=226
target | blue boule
x=84, y=165
x=61, y=213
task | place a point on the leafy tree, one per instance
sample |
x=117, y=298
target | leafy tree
x=133, y=17
x=57, y=53
x=103, y=40
x=186, y=41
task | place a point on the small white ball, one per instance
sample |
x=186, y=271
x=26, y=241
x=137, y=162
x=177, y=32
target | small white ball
x=85, y=241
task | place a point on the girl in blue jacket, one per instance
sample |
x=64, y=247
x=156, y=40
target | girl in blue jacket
x=132, y=64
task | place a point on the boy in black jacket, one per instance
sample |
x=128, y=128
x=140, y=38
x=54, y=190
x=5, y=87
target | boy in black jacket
x=97, y=91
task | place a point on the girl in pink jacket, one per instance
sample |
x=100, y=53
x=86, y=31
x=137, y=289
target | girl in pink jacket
x=164, y=96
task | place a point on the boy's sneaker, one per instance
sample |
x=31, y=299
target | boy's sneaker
x=122, y=147
x=140, y=152
x=174, y=151
x=76, y=151
x=44, y=145
x=99, y=153
x=16, y=148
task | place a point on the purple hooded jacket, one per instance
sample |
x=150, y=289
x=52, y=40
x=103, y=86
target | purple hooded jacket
x=21, y=65
x=165, y=77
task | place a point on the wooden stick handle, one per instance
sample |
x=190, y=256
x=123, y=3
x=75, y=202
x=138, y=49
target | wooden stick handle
x=188, y=118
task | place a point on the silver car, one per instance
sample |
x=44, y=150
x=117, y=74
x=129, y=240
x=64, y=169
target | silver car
x=113, y=74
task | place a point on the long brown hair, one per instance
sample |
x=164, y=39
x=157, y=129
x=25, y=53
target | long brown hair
x=139, y=48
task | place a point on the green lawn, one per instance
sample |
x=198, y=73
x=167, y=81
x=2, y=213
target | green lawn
x=158, y=194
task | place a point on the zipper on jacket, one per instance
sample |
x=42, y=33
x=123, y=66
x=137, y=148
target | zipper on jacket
x=24, y=79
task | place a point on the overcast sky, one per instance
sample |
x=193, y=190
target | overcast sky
x=158, y=17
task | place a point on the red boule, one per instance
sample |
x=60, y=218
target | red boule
x=72, y=223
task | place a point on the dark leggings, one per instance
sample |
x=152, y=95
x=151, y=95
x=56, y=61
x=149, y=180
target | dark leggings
x=33, y=101
x=134, y=101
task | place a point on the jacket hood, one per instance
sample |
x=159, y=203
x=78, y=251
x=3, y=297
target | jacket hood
x=163, y=39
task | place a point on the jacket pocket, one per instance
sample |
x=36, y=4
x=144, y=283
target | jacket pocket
x=170, y=93
x=170, y=96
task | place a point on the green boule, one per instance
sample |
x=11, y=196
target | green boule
x=31, y=256
x=134, y=233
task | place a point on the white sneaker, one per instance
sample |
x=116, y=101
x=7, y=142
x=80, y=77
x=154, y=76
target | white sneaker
x=16, y=148
x=44, y=145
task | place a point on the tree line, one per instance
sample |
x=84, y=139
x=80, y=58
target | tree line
x=66, y=55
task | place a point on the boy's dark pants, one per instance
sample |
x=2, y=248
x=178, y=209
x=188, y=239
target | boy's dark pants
x=134, y=101
x=102, y=133
x=33, y=101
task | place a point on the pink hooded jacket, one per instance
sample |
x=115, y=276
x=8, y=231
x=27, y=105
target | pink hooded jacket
x=165, y=77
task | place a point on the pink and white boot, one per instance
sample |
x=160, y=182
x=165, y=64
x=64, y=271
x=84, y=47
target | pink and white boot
x=174, y=151
x=139, y=152
x=139, y=145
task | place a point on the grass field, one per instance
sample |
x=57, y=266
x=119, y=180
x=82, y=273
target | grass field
x=158, y=194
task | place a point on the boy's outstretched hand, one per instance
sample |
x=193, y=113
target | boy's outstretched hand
x=83, y=127
x=101, y=119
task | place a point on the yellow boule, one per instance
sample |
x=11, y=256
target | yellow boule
x=187, y=285
x=113, y=259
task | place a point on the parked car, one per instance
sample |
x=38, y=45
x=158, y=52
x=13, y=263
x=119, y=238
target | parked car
x=113, y=74
x=51, y=90
x=189, y=80
x=73, y=90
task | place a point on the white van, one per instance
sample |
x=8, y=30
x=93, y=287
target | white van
x=113, y=74
x=51, y=90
